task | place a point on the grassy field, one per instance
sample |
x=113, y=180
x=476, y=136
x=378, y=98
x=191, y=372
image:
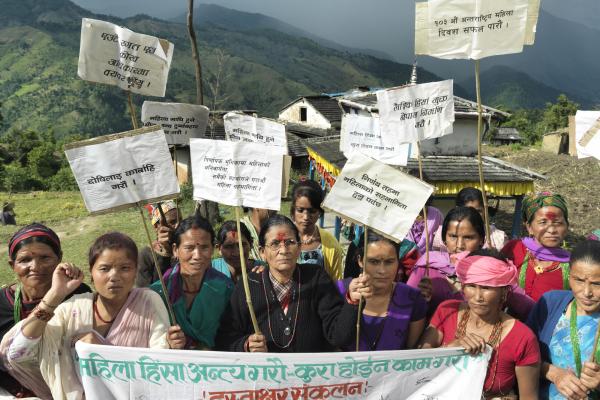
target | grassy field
x=66, y=214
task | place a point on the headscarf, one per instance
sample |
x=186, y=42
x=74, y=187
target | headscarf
x=543, y=253
x=34, y=230
x=166, y=207
x=486, y=271
x=534, y=201
x=417, y=231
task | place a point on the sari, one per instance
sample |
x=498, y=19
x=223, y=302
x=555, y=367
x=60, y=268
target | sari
x=52, y=372
x=200, y=321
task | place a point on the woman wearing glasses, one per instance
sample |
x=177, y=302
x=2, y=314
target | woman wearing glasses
x=297, y=306
x=317, y=245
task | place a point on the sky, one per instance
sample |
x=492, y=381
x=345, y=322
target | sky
x=383, y=25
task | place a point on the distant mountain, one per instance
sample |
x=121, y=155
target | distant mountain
x=586, y=12
x=510, y=89
x=260, y=69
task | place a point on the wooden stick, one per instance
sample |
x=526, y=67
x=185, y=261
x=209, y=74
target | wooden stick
x=157, y=267
x=424, y=213
x=360, y=302
x=593, y=357
x=132, y=111
x=195, y=56
x=479, y=155
x=163, y=219
x=245, y=273
x=176, y=177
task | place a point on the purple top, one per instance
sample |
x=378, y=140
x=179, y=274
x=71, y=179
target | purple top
x=543, y=253
x=391, y=332
x=417, y=231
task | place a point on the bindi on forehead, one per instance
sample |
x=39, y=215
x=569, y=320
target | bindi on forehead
x=280, y=236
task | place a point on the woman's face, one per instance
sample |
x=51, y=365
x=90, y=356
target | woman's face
x=462, y=236
x=484, y=300
x=171, y=219
x=476, y=204
x=548, y=226
x=381, y=264
x=194, y=251
x=305, y=216
x=114, y=274
x=281, y=249
x=584, y=280
x=230, y=250
x=34, y=264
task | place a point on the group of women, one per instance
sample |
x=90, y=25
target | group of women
x=536, y=304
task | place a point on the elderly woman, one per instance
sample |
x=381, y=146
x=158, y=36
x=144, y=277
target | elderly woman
x=298, y=307
x=230, y=264
x=566, y=324
x=542, y=263
x=197, y=292
x=317, y=246
x=41, y=346
x=394, y=316
x=478, y=321
x=34, y=252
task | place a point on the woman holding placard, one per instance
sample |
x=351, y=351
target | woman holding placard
x=116, y=314
x=317, y=246
x=543, y=264
x=197, y=292
x=393, y=318
x=230, y=264
x=566, y=324
x=479, y=321
x=298, y=308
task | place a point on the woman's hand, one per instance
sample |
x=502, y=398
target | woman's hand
x=590, y=375
x=256, y=344
x=426, y=288
x=163, y=236
x=65, y=280
x=258, y=268
x=176, y=337
x=472, y=343
x=567, y=383
x=360, y=287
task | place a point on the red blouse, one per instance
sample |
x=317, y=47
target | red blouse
x=518, y=348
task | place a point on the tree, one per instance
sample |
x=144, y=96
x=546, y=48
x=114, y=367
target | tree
x=556, y=115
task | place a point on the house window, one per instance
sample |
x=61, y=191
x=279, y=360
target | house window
x=303, y=114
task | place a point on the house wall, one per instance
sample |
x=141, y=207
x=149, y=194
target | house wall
x=463, y=142
x=313, y=117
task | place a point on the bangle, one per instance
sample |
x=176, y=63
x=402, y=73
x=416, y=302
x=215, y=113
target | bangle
x=44, y=302
x=247, y=345
x=349, y=299
x=42, y=315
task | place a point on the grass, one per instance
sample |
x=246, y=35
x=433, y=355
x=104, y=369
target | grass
x=66, y=214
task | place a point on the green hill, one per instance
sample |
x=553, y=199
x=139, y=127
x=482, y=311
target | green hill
x=261, y=69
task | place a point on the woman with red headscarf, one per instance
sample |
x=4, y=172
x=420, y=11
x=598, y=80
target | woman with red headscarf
x=486, y=279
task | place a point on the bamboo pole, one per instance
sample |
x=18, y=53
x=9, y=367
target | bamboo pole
x=132, y=111
x=195, y=56
x=360, y=302
x=479, y=155
x=424, y=213
x=245, y=273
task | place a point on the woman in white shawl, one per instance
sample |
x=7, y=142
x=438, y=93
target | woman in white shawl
x=41, y=348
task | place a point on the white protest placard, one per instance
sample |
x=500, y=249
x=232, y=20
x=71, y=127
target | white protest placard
x=179, y=121
x=377, y=195
x=117, y=56
x=237, y=173
x=117, y=171
x=474, y=29
x=587, y=134
x=363, y=134
x=246, y=128
x=416, y=112
x=112, y=372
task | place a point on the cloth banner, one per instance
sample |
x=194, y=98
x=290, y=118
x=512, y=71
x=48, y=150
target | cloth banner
x=115, y=172
x=377, y=195
x=417, y=112
x=246, y=128
x=117, y=56
x=179, y=121
x=111, y=372
x=237, y=173
x=363, y=134
x=587, y=134
x=474, y=29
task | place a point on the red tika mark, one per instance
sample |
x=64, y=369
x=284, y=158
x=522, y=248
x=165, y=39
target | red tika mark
x=232, y=235
x=551, y=215
x=281, y=236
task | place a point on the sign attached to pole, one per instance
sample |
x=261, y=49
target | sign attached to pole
x=179, y=121
x=115, y=55
x=237, y=173
x=474, y=29
x=587, y=134
x=377, y=195
x=115, y=172
x=246, y=128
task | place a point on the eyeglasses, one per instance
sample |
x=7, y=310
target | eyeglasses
x=311, y=211
x=287, y=243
